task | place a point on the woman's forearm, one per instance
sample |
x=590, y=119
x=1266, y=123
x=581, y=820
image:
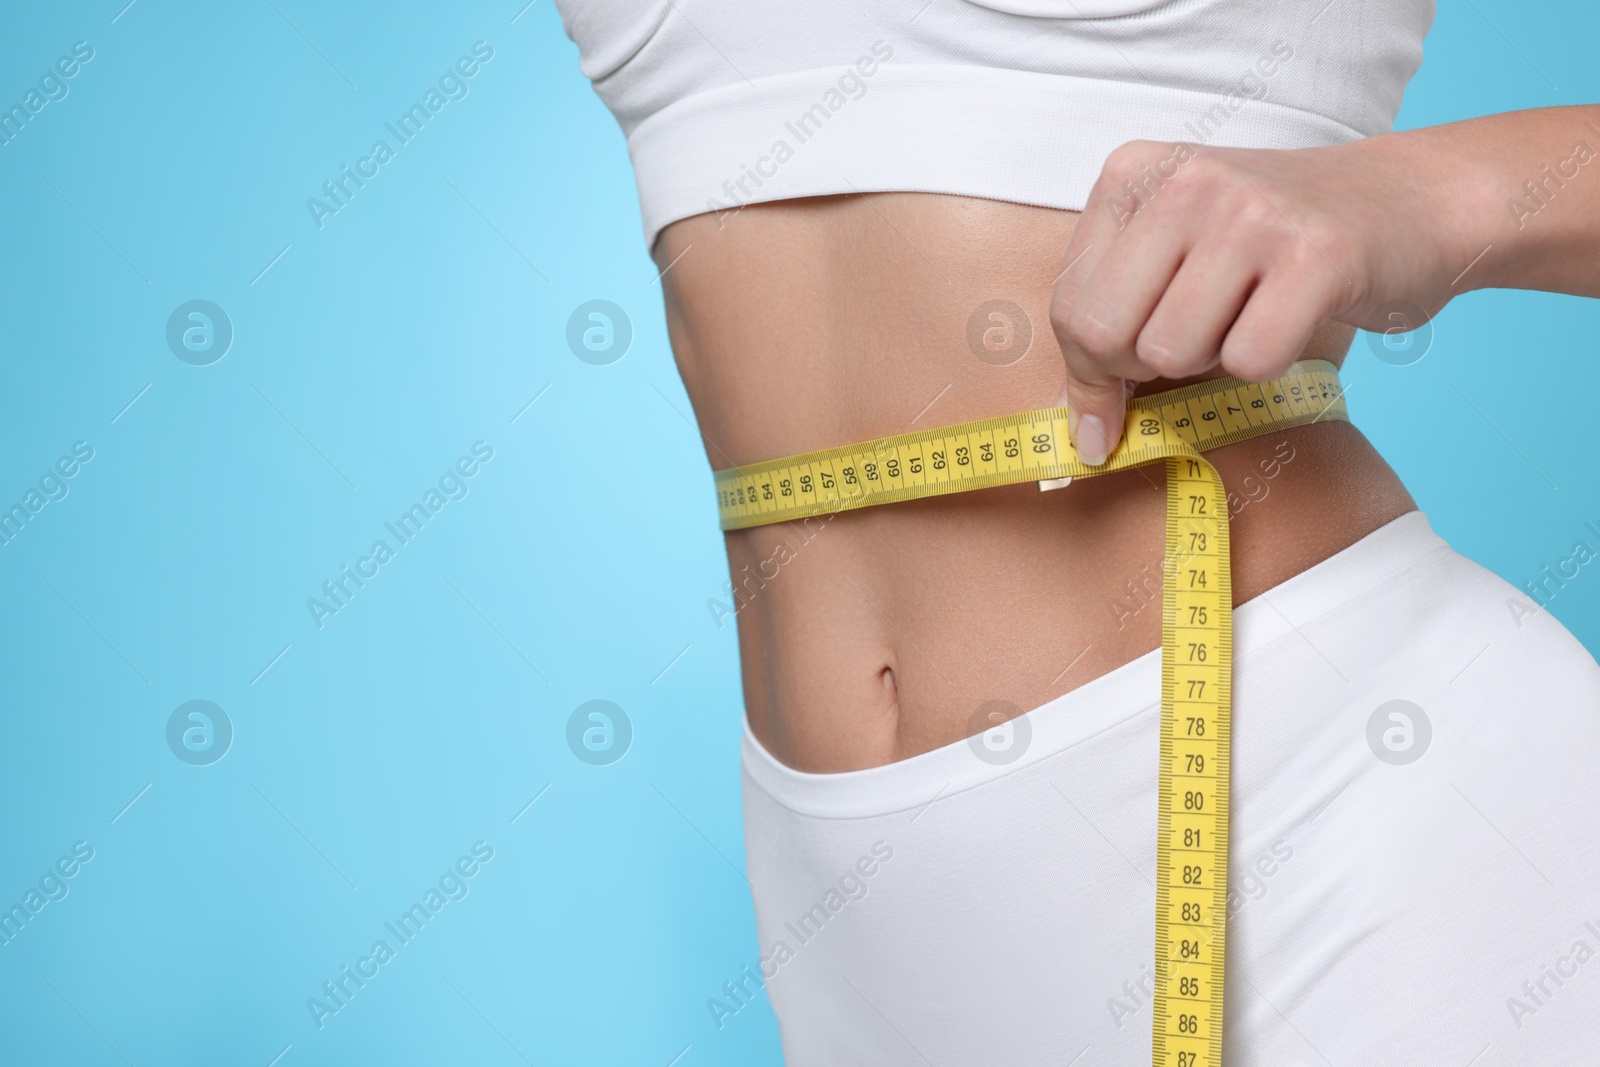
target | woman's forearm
x=1524, y=190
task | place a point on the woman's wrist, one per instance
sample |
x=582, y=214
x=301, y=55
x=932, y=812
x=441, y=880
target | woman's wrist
x=1430, y=238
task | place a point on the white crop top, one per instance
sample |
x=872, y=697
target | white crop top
x=730, y=102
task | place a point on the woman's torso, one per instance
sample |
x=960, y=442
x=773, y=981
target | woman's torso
x=879, y=634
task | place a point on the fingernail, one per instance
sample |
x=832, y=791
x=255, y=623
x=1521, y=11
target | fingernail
x=1093, y=442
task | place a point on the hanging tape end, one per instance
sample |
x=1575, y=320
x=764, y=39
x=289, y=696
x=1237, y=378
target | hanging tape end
x=1048, y=484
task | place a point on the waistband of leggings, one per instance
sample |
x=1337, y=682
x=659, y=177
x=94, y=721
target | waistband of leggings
x=1099, y=705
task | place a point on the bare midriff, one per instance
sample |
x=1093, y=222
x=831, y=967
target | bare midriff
x=876, y=635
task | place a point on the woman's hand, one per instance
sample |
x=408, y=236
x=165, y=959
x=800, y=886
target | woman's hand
x=1189, y=257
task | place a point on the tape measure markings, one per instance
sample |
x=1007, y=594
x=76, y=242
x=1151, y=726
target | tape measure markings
x=1196, y=623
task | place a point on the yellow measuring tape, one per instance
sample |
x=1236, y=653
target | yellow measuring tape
x=1196, y=616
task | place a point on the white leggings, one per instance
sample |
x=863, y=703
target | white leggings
x=1415, y=866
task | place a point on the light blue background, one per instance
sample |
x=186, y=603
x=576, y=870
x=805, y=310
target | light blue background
x=371, y=353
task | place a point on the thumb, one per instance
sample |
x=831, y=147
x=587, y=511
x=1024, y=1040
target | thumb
x=1096, y=408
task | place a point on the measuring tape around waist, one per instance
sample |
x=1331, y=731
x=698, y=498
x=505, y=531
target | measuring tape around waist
x=1196, y=616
